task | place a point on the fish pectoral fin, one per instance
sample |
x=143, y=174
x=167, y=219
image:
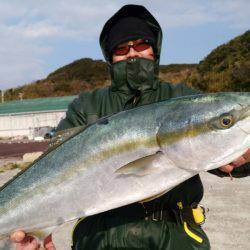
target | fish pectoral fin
x=142, y=166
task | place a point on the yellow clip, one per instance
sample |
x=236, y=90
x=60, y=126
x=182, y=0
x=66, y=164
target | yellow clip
x=179, y=204
x=199, y=216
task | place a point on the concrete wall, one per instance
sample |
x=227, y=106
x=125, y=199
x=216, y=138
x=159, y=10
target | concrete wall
x=23, y=124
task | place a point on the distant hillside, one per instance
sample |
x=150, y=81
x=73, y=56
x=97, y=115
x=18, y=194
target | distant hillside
x=86, y=74
x=84, y=69
x=83, y=74
x=226, y=68
x=176, y=73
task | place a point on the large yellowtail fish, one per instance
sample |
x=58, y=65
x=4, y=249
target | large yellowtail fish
x=125, y=158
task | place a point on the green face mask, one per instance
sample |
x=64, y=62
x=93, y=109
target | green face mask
x=134, y=74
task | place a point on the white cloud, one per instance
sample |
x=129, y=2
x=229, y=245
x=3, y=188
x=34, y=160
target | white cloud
x=57, y=18
x=234, y=13
x=41, y=30
x=183, y=13
x=84, y=19
x=76, y=18
x=20, y=59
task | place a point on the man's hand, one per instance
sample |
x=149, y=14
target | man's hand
x=245, y=158
x=24, y=242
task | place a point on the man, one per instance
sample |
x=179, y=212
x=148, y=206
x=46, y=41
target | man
x=131, y=44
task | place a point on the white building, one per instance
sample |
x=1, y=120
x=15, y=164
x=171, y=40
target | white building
x=25, y=118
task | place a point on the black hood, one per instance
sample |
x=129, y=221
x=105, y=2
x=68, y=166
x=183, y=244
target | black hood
x=132, y=11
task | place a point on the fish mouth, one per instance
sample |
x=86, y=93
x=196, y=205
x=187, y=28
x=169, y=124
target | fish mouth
x=244, y=124
x=229, y=158
x=245, y=130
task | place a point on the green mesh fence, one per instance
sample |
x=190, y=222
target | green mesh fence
x=36, y=105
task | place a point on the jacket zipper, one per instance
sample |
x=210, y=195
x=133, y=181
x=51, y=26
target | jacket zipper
x=136, y=98
x=132, y=102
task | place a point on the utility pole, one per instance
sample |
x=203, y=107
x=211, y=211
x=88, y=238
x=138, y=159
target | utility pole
x=20, y=96
x=2, y=96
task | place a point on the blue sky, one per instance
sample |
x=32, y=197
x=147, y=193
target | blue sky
x=39, y=36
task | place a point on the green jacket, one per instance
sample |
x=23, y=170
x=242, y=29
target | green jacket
x=105, y=231
x=109, y=230
x=91, y=106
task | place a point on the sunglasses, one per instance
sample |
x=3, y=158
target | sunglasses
x=138, y=46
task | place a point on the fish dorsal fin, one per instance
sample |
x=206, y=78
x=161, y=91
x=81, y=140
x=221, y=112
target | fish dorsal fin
x=64, y=135
x=142, y=166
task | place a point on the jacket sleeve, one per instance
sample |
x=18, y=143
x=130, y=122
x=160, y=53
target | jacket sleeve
x=75, y=115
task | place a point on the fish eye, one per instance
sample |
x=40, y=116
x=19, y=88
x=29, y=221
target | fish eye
x=226, y=121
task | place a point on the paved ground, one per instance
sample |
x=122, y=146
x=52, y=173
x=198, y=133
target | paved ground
x=228, y=218
x=18, y=149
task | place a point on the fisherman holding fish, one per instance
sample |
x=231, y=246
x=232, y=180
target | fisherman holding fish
x=131, y=44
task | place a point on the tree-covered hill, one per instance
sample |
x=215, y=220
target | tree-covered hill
x=84, y=69
x=226, y=68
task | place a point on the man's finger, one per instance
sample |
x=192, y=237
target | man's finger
x=17, y=236
x=48, y=244
x=28, y=243
x=227, y=168
x=247, y=155
x=240, y=161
